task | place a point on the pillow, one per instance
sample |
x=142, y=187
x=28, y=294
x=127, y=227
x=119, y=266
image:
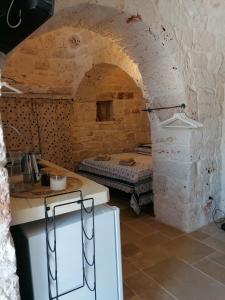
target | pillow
x=144, y=149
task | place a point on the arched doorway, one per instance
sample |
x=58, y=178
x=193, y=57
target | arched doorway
x=86, y=35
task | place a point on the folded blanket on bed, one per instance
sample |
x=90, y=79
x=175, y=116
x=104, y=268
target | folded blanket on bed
x=102, y=157
x=144, y=149
x=127, y=162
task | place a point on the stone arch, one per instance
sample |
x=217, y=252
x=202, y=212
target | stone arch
x=152, y=50
x=91, y=49
x=128, y=126
x=151, y=47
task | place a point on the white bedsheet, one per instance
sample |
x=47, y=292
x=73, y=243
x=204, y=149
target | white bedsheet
x=136, y=173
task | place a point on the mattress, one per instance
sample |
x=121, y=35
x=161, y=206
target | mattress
x=142, y=169
x=139, y=188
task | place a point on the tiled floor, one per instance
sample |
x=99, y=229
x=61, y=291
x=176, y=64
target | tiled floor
x=163, y=263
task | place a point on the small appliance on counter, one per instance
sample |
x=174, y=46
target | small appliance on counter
x=56, y=179
x=45, y=176
x=30, y=168
x=38, y=179
x=23, y=171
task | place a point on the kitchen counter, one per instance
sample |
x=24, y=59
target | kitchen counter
x=28, y=210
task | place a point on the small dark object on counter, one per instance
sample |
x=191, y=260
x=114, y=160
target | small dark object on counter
x=45, y=176
x=45, y=179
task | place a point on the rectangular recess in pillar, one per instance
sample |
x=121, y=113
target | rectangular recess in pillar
x=104, y=111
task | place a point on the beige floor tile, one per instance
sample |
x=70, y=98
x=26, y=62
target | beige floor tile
x=212, y=269
x=199, y=235
x=220, y=235
x=151, y=246
x=150, y=257
x=152, y=240
x=135, y=298
x=129, y=268
x=142, y=227
x=128, y=235
x=129, y=250
x=218, y=257
x=215, y=243
x=188, y=249
x=146, y=288
x=185, y=282
x=167, y=230
x=210, y=229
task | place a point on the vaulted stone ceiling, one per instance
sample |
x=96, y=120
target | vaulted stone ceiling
x=55, y=62
x=86, y=35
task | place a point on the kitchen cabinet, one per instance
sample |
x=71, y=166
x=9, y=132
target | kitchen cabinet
x=75, y=249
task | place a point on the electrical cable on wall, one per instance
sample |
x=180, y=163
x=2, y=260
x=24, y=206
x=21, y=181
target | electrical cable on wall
x=218, y=222
x=19, y=15
x=20, y=18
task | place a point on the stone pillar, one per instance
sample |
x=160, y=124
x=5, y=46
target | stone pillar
x=177, y=177
x=9, y=286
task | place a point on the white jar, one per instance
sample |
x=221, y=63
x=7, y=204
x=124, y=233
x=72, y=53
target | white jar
x=58, y=182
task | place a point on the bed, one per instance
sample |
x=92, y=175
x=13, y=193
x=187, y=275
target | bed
x=135, y=180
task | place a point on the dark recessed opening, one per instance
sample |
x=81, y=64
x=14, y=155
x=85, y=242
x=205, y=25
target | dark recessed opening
x=104, y=111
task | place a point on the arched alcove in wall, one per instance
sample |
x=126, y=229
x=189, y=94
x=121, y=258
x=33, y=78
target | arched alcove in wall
x=108, y=116
x=104, y=117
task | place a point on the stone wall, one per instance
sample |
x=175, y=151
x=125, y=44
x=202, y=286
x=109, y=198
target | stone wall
x=45, y=127
x=9, y=288
x=53, y=126
x=174, y=50
x=174, y=53
x=129, y=125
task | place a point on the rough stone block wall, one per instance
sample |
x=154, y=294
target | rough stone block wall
x=174, y=50
x=9, y=289
x=129, y=125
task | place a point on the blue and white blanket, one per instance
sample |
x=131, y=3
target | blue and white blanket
x=136, y=179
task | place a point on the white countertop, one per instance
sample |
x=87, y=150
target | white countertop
x=28, y=210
